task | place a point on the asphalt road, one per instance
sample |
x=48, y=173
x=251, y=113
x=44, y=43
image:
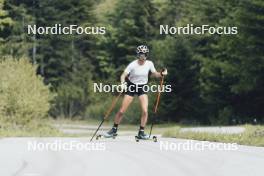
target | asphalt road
x=125, y=157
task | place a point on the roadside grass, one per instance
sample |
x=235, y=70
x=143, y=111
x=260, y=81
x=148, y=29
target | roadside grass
x=158, y=128
x=41, y=128
x=75, y=121
x=86, y=131
x=52, y=128
x=253, y=135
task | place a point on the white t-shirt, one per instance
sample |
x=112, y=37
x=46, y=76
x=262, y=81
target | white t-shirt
x=138, y=74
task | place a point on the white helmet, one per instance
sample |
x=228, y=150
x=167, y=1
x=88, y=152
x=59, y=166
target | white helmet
x=142, y=49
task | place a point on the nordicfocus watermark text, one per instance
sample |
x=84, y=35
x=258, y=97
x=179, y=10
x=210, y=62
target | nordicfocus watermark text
x=131, y=88
x=60, y=145
x=197, y=146
x=191, y=29
x=58, y=29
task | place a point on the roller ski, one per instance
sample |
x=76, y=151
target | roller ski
x=112, y=133
x=142, y=136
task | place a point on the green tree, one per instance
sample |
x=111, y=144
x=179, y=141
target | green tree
x=66, y=60
x=134, y=23
x=23, y=95
x=5, y=20
x=231, y=65
x=15, y=41
x=245, y=59
x=183, y=103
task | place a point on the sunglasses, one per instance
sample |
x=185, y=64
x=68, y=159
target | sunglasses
x=142, y=56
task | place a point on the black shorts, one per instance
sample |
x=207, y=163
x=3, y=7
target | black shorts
x=133, y=89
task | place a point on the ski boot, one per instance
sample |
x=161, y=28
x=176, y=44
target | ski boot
x=112, y=133
x=142, y=136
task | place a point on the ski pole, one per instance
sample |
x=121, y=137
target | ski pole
x=107, y=114
x=157, y=103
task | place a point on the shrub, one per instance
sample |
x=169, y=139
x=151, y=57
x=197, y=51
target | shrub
x=23, y=95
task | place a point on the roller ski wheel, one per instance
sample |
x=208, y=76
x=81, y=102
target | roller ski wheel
x=155, y=139
x=136, y=138
x=98, y=137
x=114, y=136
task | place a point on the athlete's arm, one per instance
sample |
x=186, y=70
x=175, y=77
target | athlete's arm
x=123, y=77
x=159, y=74
x=156, y=74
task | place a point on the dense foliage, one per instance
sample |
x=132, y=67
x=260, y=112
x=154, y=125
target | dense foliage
x=23, y=95
x=216, y=79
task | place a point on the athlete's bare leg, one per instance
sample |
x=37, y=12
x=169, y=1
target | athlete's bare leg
x=144, y=109
x=125, y=104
